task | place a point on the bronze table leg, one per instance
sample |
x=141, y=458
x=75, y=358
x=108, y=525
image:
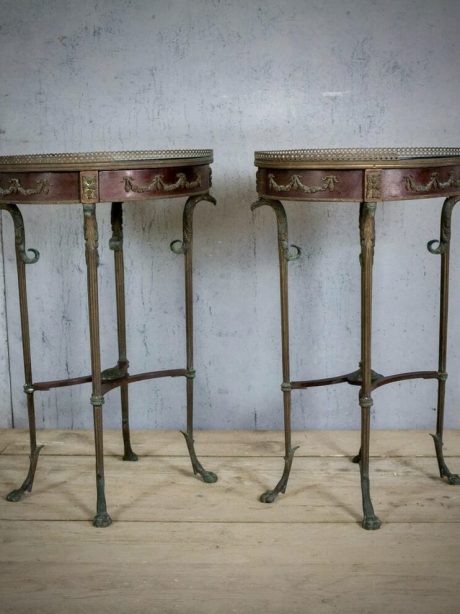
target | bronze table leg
x=367, y=234
x=285, y=255
x=442, y=247
x=186, y=247
x=21, y=260
x=102, y=518
x=121, y=370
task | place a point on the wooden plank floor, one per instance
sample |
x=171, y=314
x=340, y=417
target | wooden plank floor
x=178, y=545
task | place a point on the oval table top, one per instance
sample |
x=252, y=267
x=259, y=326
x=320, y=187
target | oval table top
x=105, y=159
x=365, y=157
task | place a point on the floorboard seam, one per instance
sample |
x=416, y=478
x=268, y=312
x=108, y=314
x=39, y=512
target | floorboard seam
x=235, y=522
x=4, y=452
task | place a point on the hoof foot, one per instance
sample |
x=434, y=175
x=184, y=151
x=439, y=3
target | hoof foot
x=102, y=520
x=130, y=456
x=371, y=523
x=452, y=479
x=209, y=477
x=15, y=495
x=356, y=459
x=269, y=496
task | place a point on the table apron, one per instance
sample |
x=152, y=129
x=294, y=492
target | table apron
x=57, y=187
x=358, y=185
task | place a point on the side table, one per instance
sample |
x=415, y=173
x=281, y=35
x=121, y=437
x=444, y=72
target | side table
x=367, y=176
x=88, y=179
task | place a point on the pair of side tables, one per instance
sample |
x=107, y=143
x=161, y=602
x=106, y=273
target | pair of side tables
x=365, y=176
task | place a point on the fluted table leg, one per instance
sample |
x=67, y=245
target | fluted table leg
x=116, y=245
x=102, y=518
x=367, y=234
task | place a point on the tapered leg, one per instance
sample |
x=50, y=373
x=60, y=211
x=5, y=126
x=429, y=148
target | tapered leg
x=21, y=260
x=186, y=247
x=442, y=247
x=367, y=233
x=116, y=245
x=102, y=518
x=284, y=257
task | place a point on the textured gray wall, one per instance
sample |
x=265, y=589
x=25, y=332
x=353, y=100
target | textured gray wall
x=236, y=76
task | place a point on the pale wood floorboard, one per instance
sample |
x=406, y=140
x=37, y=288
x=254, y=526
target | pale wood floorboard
x=181, y=546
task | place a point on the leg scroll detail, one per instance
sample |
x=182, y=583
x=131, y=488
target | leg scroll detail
x=270, y=496
x=208, y=476
x=16, y=495
x=444, y=472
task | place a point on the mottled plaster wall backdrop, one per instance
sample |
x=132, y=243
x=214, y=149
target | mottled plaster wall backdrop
x=236, y=76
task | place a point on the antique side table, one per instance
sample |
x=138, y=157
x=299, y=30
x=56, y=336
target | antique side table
x=368, y=177
x=88, y=179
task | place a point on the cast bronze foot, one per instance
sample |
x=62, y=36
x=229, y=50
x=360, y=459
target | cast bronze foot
x=102, y=520
x=129, y=455
x=16, y=495
x=270, y=495
x=444, y=472
x=371, y=523
x=208, y=476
